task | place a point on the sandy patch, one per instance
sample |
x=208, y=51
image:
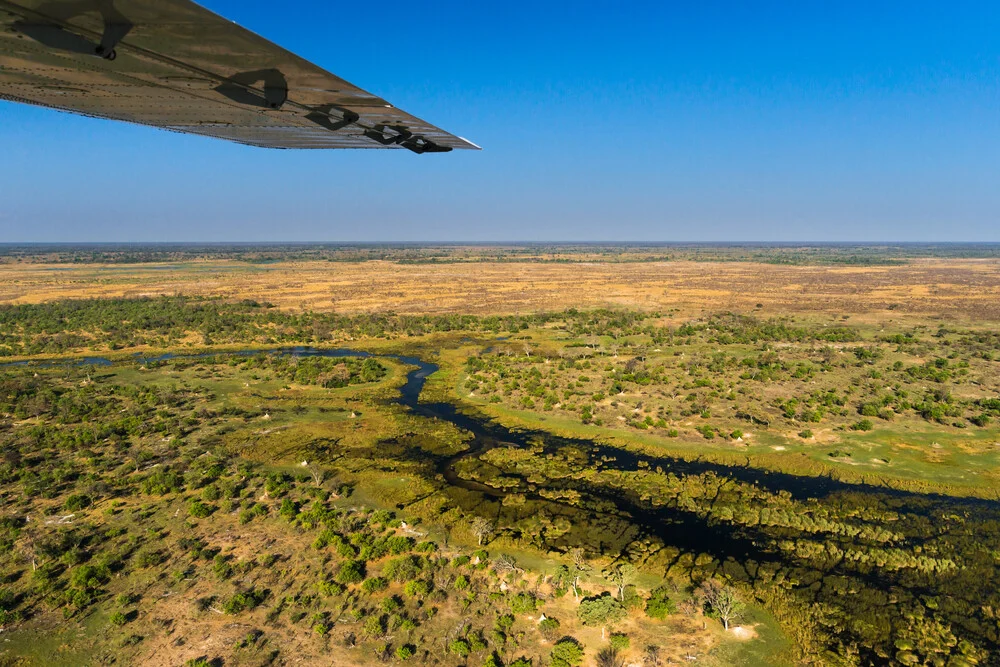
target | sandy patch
x=743, y=632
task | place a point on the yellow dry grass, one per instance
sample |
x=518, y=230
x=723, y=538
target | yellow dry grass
x=958, y=289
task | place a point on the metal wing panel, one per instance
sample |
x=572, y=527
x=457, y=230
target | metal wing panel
x=179, y=66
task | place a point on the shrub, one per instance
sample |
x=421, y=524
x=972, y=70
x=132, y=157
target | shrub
x=660, y=605
x=398, y=544
x=149, y=559
x=619, y=640
x=243, y=602
x=330, y=588
x=549, y=628
x=77, y=502
x=221, y=567
x=566, y=653
x=460, y=647
x=522, y=603
x=405, y=651
x=417, y=588
x=200, y=510
x=118, y=618
x=374, y=585
x=401, y=569
x=375, y=626
x=351, y=572
x=391, y=603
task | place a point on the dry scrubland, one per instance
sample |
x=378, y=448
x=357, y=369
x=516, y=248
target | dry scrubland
x=962, y=290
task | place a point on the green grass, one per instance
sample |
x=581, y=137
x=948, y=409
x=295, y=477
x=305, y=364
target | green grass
x=769, y=648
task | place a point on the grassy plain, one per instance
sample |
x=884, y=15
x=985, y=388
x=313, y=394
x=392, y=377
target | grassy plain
x=959, y=290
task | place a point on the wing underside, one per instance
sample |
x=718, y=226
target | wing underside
x=173, y=64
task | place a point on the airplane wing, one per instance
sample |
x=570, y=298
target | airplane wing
x=173, y=64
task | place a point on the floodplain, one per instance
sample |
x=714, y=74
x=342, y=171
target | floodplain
x=710, y=458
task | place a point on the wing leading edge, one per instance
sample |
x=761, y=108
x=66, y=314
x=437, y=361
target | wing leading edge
x=173, y=64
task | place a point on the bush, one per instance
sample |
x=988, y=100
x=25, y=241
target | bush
x=149, y=559
x=398, y=545
x=375, y=626
x=351, y=572
x=417, y=588
x=200, y=510
x=391, y=604
x=619, y=640
x=566, y=653
x=522, y=603
x=118, y=619
x=660, y=605
x=401, y=569
x=374, y=585
x=243, y=602
x=77, y=502
x=330, y=588
x=460, y=647
x=549, y=628
x=405, y=651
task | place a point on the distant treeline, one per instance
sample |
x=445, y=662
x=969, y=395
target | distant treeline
x=403, y=253
x=163, y=322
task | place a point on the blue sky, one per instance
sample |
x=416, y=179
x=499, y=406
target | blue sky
x=617, y=121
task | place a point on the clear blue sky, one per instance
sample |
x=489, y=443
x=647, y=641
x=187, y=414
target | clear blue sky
x=620, y=121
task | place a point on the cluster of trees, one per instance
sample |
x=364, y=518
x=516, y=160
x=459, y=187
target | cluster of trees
x=624, y=378
x=114, y=324
x=329, y=372
x=128, y=514
x=853, y=568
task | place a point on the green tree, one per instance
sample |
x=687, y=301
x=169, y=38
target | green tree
x=351, y=572
x=621, y=575
x=567, y=652
x=659, y=605
x=600, y=610
x=722, y=599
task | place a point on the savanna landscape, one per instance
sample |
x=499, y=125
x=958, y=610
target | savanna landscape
x=500, y=456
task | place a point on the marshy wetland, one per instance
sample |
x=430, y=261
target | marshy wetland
x=188, y=478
